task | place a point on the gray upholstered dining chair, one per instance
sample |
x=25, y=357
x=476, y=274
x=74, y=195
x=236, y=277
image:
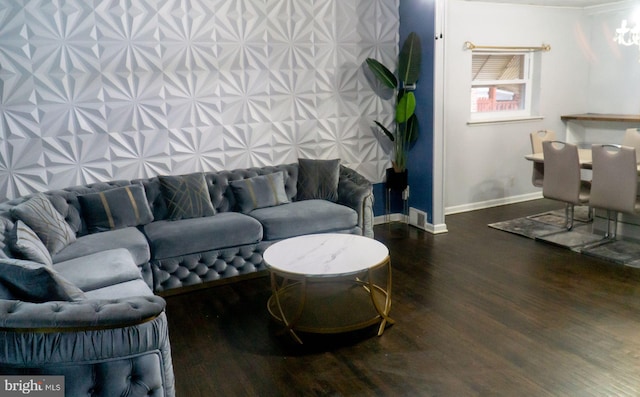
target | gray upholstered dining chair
x=632, y=138
x=562, y=179
x=614, y=186
x=537, y=137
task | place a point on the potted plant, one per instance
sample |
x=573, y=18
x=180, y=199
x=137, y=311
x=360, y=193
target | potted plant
x=404, y=132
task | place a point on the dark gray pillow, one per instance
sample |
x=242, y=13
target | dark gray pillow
x=187, y=196
x=42, y=217
x=259, y=191
x=34, y=282
x=5, y=293
x=115, y=208
x=318, y=179
x=26, y=244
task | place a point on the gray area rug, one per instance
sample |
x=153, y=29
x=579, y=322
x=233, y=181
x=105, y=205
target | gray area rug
x=548, y=227
x=538, y=225
x=623, y=252
x=576, y=239
x=526, y=227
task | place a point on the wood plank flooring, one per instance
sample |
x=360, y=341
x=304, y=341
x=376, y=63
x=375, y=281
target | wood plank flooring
x=479, y=312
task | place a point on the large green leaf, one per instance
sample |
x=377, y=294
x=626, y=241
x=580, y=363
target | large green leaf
x=411, y=131
x=384, y=129
x=406, y=106
x=382, y=73
x=410, y=59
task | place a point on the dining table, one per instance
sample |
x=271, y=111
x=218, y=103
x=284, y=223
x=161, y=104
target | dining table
x=584, y=158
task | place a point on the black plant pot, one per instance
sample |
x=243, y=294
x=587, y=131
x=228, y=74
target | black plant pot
x=397, y=180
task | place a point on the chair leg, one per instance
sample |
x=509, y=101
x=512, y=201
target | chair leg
x=568, y=216
x=608, y=231
x=609, y=236
x=612, y=234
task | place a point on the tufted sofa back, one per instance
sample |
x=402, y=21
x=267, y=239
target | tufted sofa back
x=67, y=203
x=64, y=200
x=219, y=189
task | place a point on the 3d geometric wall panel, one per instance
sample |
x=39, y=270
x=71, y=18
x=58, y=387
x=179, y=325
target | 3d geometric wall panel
x=122, y=89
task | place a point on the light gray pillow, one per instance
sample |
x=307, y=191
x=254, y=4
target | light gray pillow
x=34, y=282
x=115, y=208
x=259, y=191
x=26, y=244
x=42, y=217
x=318, y=179
x=187, y=196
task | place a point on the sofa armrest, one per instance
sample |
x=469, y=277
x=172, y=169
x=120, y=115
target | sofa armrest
x=356, y=192
x=56, y=316
x=106, y=347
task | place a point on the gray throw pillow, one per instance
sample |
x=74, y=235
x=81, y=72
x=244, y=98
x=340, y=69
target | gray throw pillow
x=42, y=217
x=259, y=191
x=187, y=196
x=318, y=179
x=115, y=208
x=5, y=293
x=34, y=282
x=26, y=244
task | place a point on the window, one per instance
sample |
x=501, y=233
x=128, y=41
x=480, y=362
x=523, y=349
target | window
x=501, y=86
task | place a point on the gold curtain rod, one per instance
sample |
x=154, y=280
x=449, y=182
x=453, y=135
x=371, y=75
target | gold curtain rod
x=470, y=46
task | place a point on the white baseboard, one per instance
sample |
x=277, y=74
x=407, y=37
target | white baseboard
x=442, y=228
x=382, y=219
x=492, y=203
x=430, y=228
x=437, y=229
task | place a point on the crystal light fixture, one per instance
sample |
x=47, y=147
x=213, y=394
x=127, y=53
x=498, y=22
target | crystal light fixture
x=628, y=33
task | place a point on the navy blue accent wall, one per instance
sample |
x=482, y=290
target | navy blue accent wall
x=380, y=196
x=418, y=16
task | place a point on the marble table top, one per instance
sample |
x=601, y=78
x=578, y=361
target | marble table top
x=330, y=254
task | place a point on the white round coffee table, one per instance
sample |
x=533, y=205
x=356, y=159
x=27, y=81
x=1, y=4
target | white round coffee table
x=329, y=283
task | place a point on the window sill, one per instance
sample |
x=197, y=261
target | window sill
x=505, y=120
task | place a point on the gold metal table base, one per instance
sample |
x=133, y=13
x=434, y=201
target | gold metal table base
x=331, y=304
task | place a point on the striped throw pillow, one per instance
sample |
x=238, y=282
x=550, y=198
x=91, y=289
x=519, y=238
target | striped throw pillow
x=26, y=244
x=42, y=217
x=115, y=208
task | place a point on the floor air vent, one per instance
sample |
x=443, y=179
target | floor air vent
x=418, y=218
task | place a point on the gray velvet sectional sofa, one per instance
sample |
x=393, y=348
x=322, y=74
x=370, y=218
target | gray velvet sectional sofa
x=82, y=268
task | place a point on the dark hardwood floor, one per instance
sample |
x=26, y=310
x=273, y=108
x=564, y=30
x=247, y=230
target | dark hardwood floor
x=479, y=312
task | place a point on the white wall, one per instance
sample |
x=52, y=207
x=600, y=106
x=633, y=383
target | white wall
x=99, y=90
x=484, y=164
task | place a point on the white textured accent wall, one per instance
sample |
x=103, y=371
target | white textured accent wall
x=94, y=90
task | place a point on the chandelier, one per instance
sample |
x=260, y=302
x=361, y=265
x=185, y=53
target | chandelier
x=628, y=35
